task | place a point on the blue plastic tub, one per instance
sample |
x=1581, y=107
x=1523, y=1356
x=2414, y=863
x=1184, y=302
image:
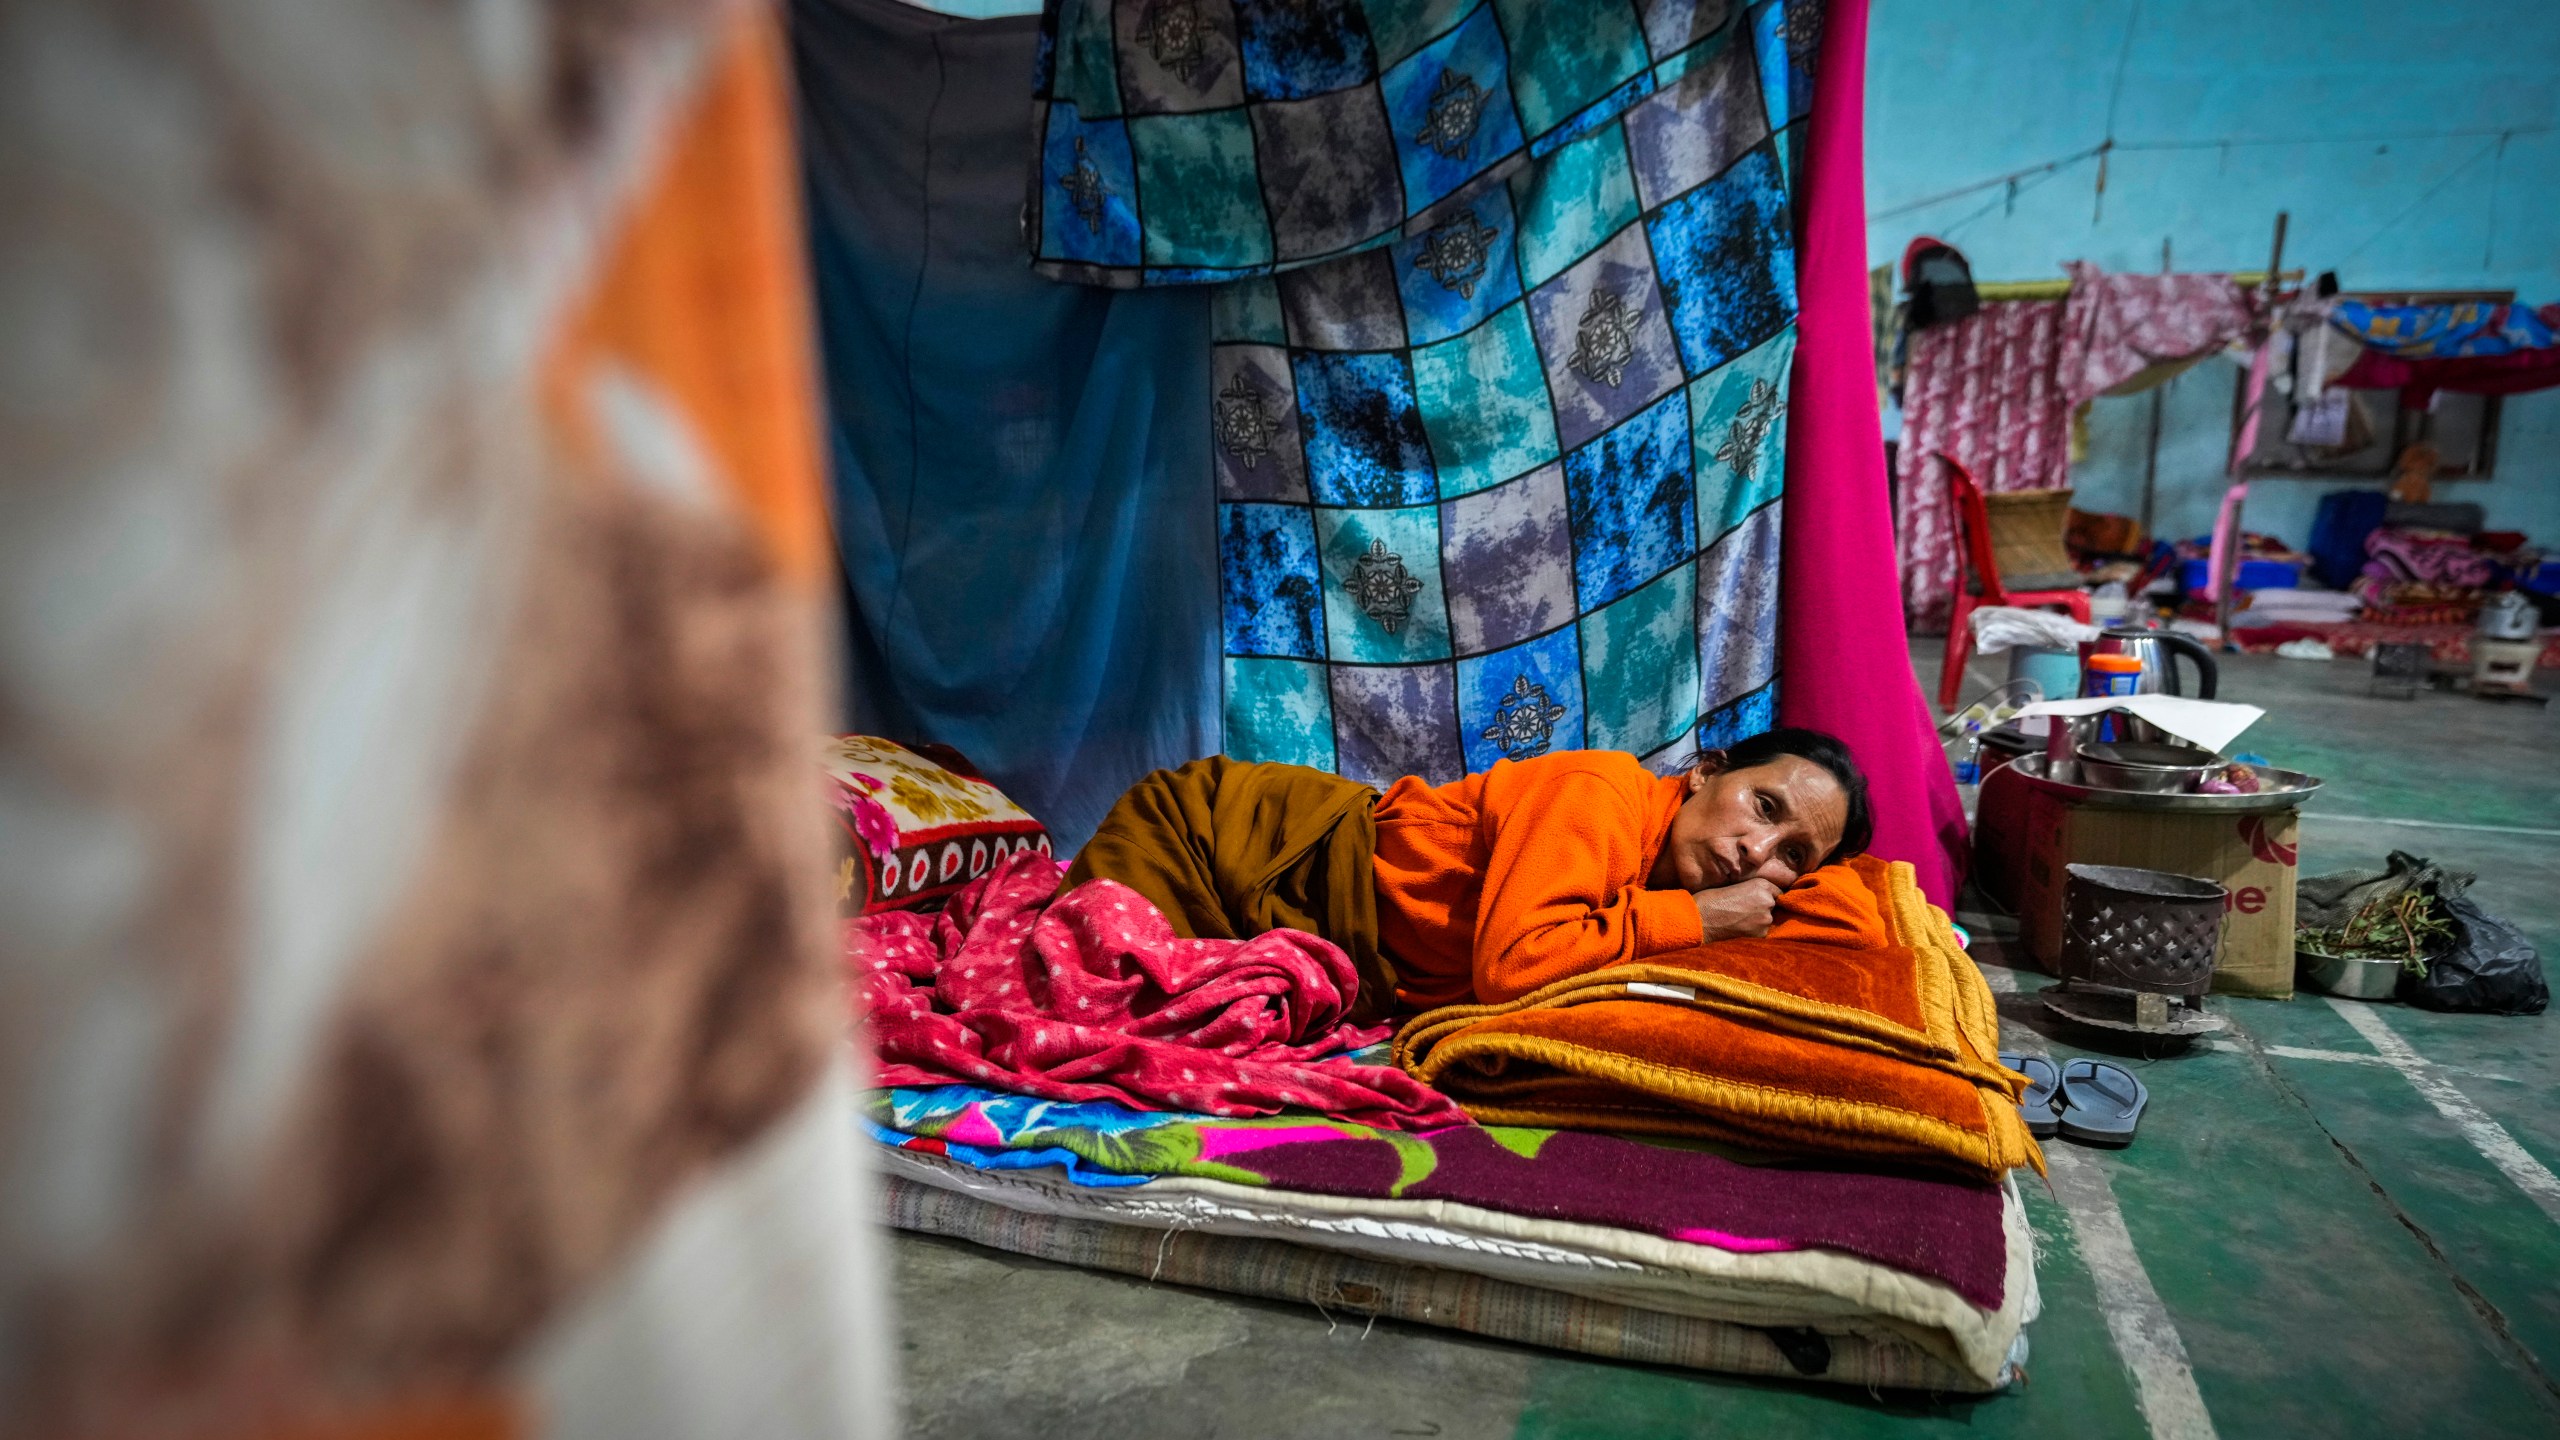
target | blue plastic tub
x=2253, y=575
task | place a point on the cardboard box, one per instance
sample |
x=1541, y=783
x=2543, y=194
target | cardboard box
x=2255, y=857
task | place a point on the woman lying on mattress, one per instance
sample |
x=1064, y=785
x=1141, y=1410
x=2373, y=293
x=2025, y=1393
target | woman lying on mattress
x=1494, y=885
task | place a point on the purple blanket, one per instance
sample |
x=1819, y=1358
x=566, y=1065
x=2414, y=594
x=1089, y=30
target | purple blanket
x=1944, y=1229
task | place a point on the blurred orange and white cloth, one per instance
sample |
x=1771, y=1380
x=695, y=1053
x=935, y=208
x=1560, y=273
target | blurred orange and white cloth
x=420, y=1014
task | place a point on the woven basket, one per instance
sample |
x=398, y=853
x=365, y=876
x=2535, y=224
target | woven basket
x=2132, y=929
x=2026, y=538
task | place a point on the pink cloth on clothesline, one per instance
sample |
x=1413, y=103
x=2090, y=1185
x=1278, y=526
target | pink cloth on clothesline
x=1841, y=644
x=1091, y=996
x=2116, y=326
x=1983, y=390
x=2514, y=373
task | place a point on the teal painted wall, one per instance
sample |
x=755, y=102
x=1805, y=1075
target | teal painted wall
x=1963, y=90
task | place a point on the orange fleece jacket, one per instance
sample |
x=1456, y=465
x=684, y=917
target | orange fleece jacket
x=1495, y=885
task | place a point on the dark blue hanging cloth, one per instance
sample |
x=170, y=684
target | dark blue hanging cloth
x=1029, y=542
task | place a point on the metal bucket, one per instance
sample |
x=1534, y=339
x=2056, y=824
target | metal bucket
x=2141, y=930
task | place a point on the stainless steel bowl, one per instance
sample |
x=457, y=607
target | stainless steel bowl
x=2342, y=975
x=2153, y=769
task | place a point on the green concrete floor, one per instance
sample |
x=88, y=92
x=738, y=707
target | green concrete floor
x=2339, y=1219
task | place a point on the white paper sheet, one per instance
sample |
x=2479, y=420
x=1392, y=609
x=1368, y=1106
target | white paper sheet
x=2212, y=724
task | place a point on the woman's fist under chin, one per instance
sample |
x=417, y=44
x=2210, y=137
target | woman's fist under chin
x=1740, y=911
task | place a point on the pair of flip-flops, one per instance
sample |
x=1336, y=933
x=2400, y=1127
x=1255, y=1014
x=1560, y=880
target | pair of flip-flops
x=2090, y=1101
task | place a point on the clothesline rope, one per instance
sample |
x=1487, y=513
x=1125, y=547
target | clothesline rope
x=2502, y=132
x=2412, y=208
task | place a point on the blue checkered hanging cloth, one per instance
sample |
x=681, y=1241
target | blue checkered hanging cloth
x=1501, y=356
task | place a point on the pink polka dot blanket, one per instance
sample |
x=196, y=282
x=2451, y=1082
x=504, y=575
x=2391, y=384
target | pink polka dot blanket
x=1091, y=996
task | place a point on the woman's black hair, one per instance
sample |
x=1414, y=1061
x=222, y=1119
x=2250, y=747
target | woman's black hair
x=1858, y=827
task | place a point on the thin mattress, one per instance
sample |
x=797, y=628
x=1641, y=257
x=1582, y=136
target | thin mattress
x=1597, y=1289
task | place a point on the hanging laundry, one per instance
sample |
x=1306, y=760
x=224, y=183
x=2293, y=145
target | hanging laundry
x=1505, y=485
x=2324, y=415
x=2514, y=373
x=1181, y=141
x=2320, y=412
x=2115, y=326
x=1887, y=325
x=2463, y=329
x=1017, y=464
x=1983, y=390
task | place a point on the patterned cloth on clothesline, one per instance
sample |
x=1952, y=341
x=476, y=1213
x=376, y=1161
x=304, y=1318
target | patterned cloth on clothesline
x=1182, y=141
x=1984, y=390
x=1504, y=481
x=2442, y=332
x=2116, y=326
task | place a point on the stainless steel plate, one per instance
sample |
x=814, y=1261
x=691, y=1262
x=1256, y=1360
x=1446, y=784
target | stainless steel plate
x=2282, y=790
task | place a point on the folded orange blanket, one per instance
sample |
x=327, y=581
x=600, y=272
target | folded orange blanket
x=1855, y=1028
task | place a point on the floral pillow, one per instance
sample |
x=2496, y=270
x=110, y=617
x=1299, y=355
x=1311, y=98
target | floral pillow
x=919, y=822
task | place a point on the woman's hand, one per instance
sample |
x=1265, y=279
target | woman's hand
x=1739, y=911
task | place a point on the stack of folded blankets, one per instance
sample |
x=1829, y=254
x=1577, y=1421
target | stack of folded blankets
x=1856, y=1028
x=1784, y=1157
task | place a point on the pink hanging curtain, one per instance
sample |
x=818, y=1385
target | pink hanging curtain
x=1982, y=389
x=1844, y=658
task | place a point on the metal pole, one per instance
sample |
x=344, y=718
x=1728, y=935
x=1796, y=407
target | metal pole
x=2231, y=552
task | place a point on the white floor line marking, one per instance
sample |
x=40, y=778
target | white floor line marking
x=2350, y=1057
x=2164, y=1385
x=2486, y=1135
x=2296, y=1052
x=2146, y=1339
x=2430, y=824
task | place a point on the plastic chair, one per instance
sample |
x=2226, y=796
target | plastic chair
x=1978, y=580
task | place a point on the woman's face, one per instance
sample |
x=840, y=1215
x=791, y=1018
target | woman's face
x=1775, y=820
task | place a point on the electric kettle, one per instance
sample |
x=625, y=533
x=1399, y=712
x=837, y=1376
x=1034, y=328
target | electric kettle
x=2158, y=651
x=2508, y=616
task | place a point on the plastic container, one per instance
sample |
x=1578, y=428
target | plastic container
x=2055, y=671
x=2252, y=575
x=2106, y=674
x=2111, y=675
x=2109, y=605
